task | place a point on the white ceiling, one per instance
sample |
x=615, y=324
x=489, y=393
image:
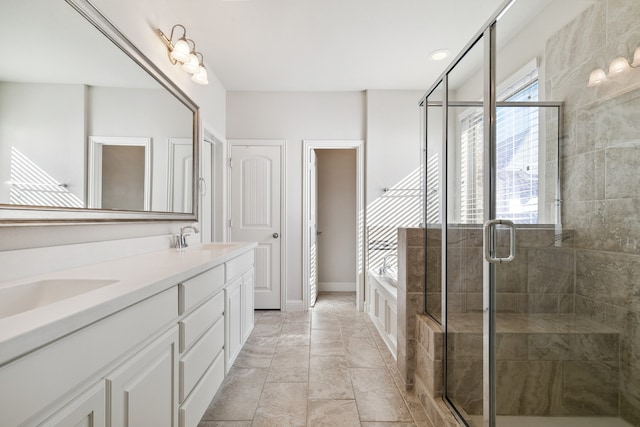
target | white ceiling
x=261, y=45
x=329, y=45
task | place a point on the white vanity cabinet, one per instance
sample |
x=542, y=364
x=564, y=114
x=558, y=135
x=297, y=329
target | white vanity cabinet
x=88, y=410
x=142, y=391
x=64, y=383
x=215, y=310
x=238, y=304
x=157, y=360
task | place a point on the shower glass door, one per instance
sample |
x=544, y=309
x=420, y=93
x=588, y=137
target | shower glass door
x=462, y=240
x=539, y=200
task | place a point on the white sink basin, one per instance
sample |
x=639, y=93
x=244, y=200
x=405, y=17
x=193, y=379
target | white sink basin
x=25, y=297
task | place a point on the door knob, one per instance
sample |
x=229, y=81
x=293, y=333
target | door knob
x=276, y=235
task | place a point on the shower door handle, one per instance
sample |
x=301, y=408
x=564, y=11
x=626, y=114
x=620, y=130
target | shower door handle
x=489, y=244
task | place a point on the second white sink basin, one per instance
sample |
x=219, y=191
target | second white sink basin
x=25, y=297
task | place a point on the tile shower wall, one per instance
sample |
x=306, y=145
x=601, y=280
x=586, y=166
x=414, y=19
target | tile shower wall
x=539, y=281
x=600, y=182
x=410, y=298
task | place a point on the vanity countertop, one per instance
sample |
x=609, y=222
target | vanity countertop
x=135, y=279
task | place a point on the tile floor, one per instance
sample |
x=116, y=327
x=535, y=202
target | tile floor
x=327, y=367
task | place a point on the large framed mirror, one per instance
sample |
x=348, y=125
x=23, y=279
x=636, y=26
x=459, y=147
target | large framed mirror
x=90, y=129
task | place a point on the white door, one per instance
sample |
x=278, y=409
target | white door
x=180, y=174
x=312, y=228
x=255, y=202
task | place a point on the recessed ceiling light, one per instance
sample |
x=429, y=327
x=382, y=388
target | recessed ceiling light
x=439, y=55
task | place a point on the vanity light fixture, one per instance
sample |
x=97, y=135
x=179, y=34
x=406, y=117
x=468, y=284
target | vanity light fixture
x=597, y=77
x=201, y=76
x=636, y=58
x=183, y=51
x=617, y=67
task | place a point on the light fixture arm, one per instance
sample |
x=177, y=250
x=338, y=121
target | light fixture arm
x=184, y=31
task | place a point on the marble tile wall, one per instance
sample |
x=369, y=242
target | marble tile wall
x=565, y=373
x=600, y=183
x=411, y=254
x=541, y=280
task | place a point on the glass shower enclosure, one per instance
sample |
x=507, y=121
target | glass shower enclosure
x=532, y=206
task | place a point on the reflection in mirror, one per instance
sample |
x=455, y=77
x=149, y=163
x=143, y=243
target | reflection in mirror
x=74, y=109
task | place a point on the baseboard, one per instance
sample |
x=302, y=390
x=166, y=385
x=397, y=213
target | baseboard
x=295, y=305
x=336, y=286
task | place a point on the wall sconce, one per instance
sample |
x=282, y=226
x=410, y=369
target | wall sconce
x=617, y=67
x=183, y=51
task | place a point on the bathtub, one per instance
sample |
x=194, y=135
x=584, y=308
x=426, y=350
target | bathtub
x=383, y=306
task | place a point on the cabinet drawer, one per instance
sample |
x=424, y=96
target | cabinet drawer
x=198, y=401
x=196, y=323
x=238, y=265
x=198, y=288
x=196, y=361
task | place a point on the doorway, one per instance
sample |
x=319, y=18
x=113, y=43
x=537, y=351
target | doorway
x=333, y=201
x=119, y=173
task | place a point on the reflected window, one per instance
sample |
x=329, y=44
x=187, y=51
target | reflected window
x=517, y=147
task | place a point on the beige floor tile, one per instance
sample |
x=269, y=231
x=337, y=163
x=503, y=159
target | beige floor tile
x=326, y=343
x=289, y=364
x=282, y=404
x=257, y=353
x=320, y=320
x=377, y=397
x=297, y=316
x=225, y=424
x=387, y=424
x=333, y=413
x=329, y=378
x=267, y=330
x=270, y=317
x=326, y=367
x=238, y=396
x=362, y=353
x=295, y=334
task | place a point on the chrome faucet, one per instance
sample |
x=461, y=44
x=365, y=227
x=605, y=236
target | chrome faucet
x=383, y=269
x=181, y=240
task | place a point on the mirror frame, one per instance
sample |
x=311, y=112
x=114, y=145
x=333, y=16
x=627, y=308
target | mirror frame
x=22, y=214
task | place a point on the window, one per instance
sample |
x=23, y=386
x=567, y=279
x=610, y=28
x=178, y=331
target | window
x=516, y=157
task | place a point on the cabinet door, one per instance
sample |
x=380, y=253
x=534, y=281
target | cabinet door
x=143, y=391
x=247, y=303
x=233, y=321
x=86, y=410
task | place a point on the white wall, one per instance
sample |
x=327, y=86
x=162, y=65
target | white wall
x=295, y=116
x=21, y=246
x=394, y=154
x=146, y=113
x=337, y=219
x=388, y=121
x=393, y=138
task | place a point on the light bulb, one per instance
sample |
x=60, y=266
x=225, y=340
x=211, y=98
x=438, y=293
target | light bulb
x=618, y=66
x=636, y=58
x=181, y=51
x=192, y=65
x=597, y=77
x=201, y=76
